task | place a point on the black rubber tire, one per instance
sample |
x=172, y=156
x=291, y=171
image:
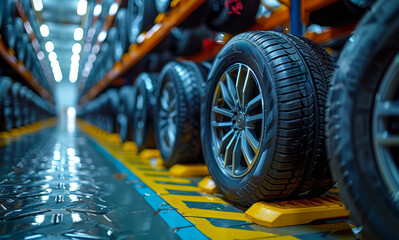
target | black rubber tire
x=322, y=67
x=288, y=147
x=351, y=103
x=111, y=110
x=189, y=42
x=121, y=25
x=5, y=110
x=116, y=47
x=338, y=14
x=363, y=3
x=186, y=148
x=221, y=18
x=148, y=12
x=125, y=120
x=144, y=133
x=16, y=105
x=162, y=5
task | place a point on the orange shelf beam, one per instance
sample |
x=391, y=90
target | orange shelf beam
x=18, y=66
x=330, y=33
x=153, y=37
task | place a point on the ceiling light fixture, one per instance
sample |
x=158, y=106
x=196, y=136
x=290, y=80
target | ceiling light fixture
x=44, y=31
x=113, y=9
x=102, y=36
x=82, y=7
x=78, y=34
x=38, y=5
x=52, y=57
x=49, y=46
x=76, y=48
x=97, y=10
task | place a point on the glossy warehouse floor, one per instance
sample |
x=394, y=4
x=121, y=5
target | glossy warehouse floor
x=61, y=182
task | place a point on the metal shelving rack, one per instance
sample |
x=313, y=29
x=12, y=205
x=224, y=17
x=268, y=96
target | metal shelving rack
x=9, y=56
x=295, y=13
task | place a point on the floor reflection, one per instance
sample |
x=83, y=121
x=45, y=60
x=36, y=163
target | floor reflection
x=55, y=184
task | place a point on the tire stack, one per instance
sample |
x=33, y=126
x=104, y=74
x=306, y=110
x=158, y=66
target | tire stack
x=20, y=106
x=17, y=39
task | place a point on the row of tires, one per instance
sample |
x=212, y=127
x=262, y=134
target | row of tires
x=247, y=120
x=191, y=36
x=20, y=106
x=270, y=111
x=15, y=37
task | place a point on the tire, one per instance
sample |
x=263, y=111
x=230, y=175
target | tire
x=144, y=134
x=16, y=105
x=5, y=109
x=111, y=110
x=189, y=42
x=124, y=119
x=162, y=5
x=178, y=95
x=338, y=14
x=222, y=18
x=322, y=67
x=121, y=25
x=115, y=44
x=141, y=16
x=355, y=121
x=282, y=130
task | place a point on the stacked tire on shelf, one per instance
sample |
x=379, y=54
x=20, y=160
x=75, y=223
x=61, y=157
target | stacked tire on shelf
x=363, y=127
x=258, y=115
x=16, y=38
x=20, y=106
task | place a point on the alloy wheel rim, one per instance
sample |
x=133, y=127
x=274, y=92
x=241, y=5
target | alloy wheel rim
x=237, y=120
x=385, y=129
x=168, y=115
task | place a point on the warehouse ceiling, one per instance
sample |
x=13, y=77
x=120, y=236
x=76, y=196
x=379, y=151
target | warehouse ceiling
x=62, y=19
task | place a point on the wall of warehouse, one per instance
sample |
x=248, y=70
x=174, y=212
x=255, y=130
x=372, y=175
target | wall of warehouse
x=65, y=95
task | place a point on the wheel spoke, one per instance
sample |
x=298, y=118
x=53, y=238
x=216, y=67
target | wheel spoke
x=228, y=155
x=254, y=118
x=236, y=158
x=226, y=95
x=254, y=102
x=171, y=136
x=173, y=113
x=163, y=123
x=388, y=139
x=223, y=111
x=222, y=124
x=173, y=102
x=231, y=87
x=246, y=89
x=225, y=140
x=164, y=104
x=239, y=93
x=163, y=114
x=389, y=108
x=253, y=142
x=245, y=150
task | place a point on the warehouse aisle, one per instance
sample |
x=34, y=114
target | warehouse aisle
x=55, y=184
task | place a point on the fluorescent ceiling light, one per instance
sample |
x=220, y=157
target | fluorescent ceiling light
x=78, y=34
x=37, y=4
x=44, y=30
x=58, y=76
x=102, y=36
x=55, y=65
x=113, y=9
x=52, y=57
x=97, y=10
x=75, y=58
x=49, y=46
x=76, y=48
x=82, y=7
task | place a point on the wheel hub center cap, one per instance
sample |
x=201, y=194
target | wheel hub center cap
x=240, y=121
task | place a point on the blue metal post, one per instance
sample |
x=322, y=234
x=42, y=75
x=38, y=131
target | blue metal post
x=295, y=17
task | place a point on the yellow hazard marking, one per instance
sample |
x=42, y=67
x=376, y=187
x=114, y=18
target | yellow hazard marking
x=148, y=167
x=208, y=185
x=189, y=170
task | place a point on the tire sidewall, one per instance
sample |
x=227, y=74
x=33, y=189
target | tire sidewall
x=239, y=51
